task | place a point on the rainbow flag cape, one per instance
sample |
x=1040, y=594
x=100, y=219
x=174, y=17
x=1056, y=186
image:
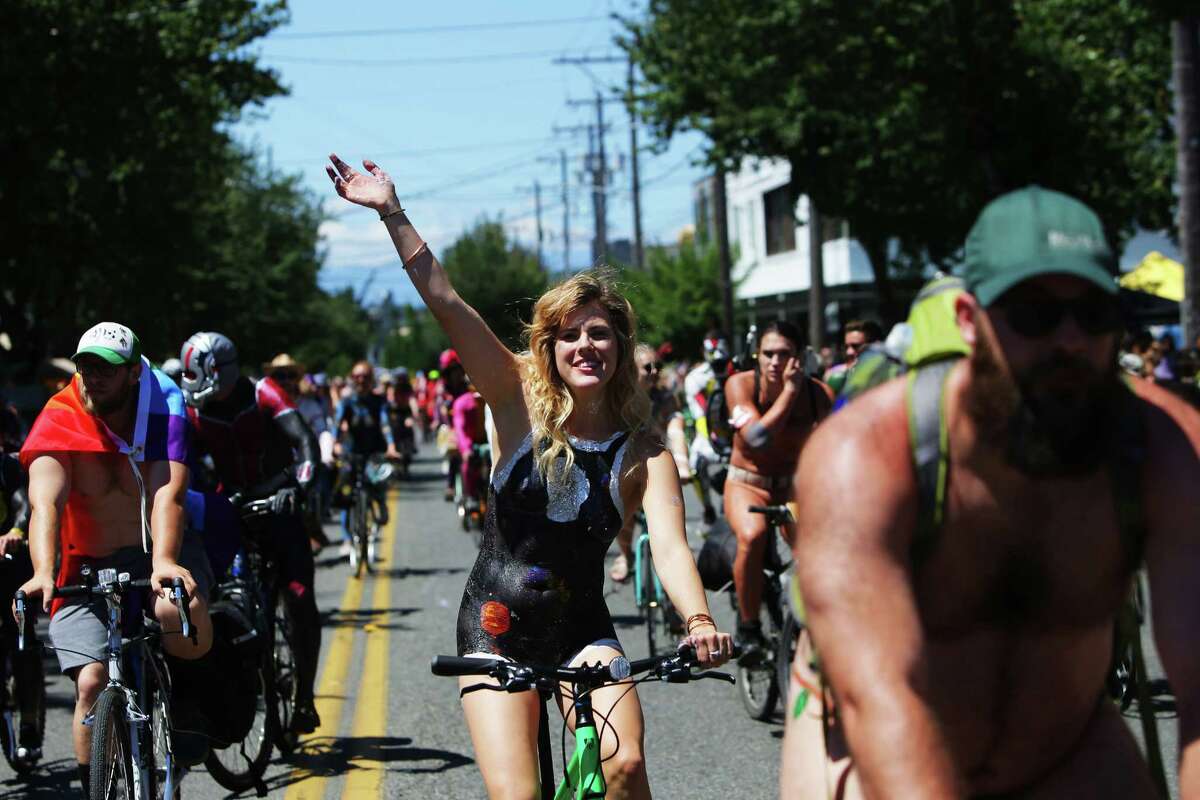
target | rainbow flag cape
x=161, y=433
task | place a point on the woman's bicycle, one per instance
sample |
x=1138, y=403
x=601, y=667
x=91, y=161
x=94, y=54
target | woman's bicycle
x=583, y=778
x=132, y=754
x=663, y=624
x=765, y=676
x=22, y=694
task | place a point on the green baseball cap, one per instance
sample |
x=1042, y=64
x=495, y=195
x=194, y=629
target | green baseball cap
x=112, y=342
x=1035, y=231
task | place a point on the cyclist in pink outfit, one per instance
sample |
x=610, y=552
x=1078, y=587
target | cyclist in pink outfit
x=467, y=420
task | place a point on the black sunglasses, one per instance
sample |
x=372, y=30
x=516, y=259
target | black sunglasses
x=285, y=376
x=1037, y=314
x=653, y=367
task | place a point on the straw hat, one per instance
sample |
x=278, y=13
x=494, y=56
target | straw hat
x=283, y=361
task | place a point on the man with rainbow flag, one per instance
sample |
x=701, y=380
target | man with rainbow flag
x=107, y=462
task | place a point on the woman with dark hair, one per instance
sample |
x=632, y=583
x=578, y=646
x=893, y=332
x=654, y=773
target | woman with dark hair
x=774, y=407
x=575, y=455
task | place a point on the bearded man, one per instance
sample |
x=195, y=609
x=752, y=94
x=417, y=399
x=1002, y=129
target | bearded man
x=967, y=535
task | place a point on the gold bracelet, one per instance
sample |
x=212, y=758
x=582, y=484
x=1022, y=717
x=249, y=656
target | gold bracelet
x=408, y=261
x=701, y=619
x=383, y=216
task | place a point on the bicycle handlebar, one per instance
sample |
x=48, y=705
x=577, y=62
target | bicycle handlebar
x=116, y=584
x=517, y=677
x=779, y=513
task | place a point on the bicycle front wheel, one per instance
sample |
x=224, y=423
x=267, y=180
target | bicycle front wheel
x=284, y=679
x=756, y=681
x=112, y=774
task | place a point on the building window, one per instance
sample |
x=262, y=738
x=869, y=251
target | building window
x=779, y=212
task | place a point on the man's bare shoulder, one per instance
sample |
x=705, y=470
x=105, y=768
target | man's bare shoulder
x=872, y=426
x=1172, y=436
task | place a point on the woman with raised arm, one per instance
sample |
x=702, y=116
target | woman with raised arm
x=574, y=455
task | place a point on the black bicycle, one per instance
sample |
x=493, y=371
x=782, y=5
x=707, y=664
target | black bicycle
x=763, y=676
x=243, y=601
x=22, y=695
x=132, y=754
x=583, y=778
x=280, y=679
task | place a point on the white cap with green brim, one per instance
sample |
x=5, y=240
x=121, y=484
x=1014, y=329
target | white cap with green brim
x=112, y=342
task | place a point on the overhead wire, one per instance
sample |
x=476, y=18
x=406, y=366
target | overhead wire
x=464, y=27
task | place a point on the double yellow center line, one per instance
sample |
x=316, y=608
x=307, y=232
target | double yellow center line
x=365, y=773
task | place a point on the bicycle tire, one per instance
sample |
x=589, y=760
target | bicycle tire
x=363, y=544
x=234, y=767
x=15, y=688
x=644, y=580
x=785, y=654
x=757, y=685
x=112, y=773
x=284, y=679
x=237, y=768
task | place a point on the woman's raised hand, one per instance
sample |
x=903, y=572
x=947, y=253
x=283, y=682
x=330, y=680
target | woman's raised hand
x=373, y=189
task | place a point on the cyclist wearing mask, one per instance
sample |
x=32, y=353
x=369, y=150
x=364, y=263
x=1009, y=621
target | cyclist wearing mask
x=261, y=446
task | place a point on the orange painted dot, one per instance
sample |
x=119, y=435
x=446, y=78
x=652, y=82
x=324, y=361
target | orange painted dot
x=494, y=618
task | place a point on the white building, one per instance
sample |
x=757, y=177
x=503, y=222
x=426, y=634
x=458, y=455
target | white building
x=768, y=235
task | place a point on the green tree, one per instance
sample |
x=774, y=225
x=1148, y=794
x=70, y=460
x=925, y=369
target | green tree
x=120, y=192
x=677, y=296
x=905, y=116
x=344, y=332
x=497, y=277
x=418, y=341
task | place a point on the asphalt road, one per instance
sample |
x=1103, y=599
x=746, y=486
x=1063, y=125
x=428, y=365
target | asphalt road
x=391, y=729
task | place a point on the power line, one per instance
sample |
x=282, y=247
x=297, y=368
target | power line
x=411, y=62
x=479, y=26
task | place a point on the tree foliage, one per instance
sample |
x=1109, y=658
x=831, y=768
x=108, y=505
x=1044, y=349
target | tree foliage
x=497, y=277
x=906, y=116
x=677, y=297
x=122, y=196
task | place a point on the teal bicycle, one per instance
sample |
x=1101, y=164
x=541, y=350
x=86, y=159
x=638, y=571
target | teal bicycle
x=664, y=627
x=583, y=778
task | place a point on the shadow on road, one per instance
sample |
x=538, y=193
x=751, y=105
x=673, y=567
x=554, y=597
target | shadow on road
x=52, y=779
x=334, y=757
x=358, y=617
x=421, y=572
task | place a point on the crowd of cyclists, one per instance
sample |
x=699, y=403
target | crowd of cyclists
x=1013, y=378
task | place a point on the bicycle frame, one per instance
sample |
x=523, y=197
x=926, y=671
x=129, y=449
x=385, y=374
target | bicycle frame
x=135, y=718
x=585, y=778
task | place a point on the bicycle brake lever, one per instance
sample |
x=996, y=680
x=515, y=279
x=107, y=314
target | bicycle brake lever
x=20, y=609
x=479, y=687
x=186, y=628
x=715, y=675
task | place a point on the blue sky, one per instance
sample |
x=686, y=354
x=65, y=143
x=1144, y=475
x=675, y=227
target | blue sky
x=464, y=121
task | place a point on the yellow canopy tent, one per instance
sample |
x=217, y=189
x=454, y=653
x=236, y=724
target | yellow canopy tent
x=1156, y=275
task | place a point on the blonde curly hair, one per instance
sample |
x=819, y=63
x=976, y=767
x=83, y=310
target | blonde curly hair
x=549, y=400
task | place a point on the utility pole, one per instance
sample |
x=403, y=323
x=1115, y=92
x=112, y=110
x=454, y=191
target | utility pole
x=722, y=222
x=1186, y=69
x=600, y=167
x=637, y=187
x=597, y=165
x=537, y=204
x=566, y=201
x=816, y=283
x=566, y=197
